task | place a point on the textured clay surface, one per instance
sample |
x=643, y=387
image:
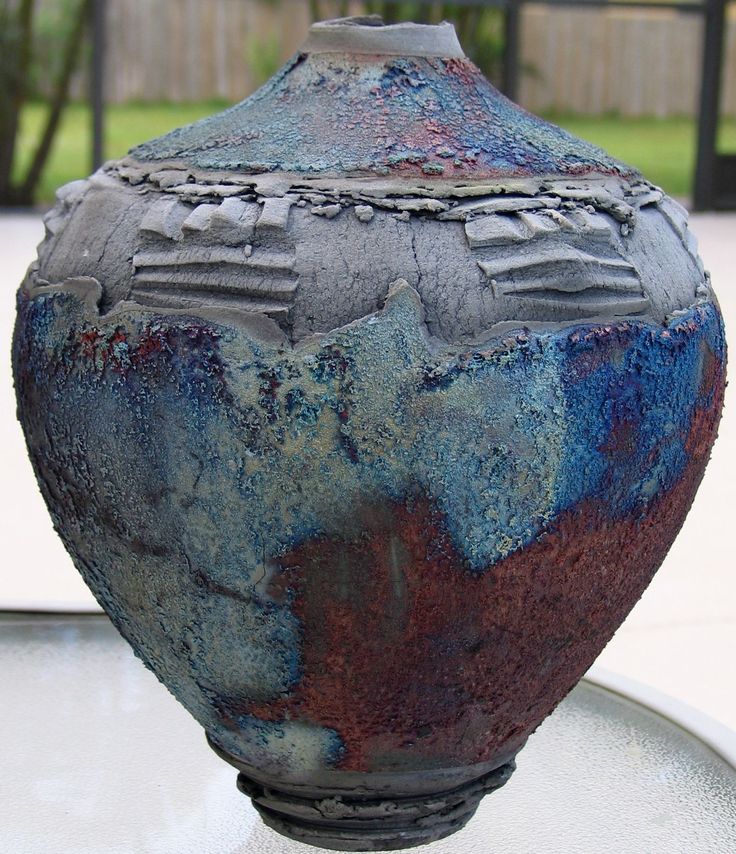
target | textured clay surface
x=313, y=264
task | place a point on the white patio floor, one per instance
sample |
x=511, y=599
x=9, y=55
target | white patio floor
x=680, y=638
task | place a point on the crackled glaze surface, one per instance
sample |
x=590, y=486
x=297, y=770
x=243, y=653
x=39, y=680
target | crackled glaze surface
x=337, y=114
x=367, y=458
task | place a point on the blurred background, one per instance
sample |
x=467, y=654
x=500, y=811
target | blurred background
x=654, y=83
x=641, y=79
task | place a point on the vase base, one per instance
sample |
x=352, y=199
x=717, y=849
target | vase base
x=375, y=811
x=343, y=823
x=402, y=814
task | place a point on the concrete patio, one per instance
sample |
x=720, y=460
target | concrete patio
x=681, y=637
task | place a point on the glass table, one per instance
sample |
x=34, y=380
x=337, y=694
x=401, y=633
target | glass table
x=98, y=757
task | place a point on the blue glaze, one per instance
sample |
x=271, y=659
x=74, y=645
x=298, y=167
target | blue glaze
x=646, y=384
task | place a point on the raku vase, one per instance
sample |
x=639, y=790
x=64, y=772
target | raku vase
x=367, y=409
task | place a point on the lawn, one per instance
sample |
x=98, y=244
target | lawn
x=663, y=149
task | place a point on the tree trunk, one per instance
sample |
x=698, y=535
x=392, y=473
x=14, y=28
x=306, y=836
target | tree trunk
x=16, y=39
x=59, y=97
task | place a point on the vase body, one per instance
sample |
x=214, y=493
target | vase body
x=367, y=410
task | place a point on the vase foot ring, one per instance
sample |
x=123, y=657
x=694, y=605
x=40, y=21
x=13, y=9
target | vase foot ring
x=363, y=823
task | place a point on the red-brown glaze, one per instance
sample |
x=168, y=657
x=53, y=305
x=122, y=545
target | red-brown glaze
x=416, y=661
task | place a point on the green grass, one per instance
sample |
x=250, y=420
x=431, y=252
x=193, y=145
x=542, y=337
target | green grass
x=663, y=149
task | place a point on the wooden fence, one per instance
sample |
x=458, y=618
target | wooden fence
x=632, y=62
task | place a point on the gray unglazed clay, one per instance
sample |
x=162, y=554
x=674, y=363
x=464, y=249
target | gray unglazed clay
x=475, y=264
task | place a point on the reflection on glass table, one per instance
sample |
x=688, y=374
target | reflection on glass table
x=98, y=757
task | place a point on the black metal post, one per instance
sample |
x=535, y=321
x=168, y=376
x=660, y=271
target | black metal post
x=704, y=191
x=97, y=80
x=512, y=38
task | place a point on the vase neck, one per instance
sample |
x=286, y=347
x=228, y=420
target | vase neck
x=369, y=35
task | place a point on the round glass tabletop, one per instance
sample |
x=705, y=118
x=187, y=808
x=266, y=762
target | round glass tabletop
x=98, y=757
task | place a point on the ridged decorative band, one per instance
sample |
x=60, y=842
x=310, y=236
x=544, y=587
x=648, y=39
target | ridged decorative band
x=346, y=823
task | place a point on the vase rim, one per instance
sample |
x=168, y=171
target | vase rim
x=370, y=35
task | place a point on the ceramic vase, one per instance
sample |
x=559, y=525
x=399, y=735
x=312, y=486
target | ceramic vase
x=367, y=409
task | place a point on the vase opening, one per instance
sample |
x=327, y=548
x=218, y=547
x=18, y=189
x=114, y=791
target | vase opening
x=369, y=35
